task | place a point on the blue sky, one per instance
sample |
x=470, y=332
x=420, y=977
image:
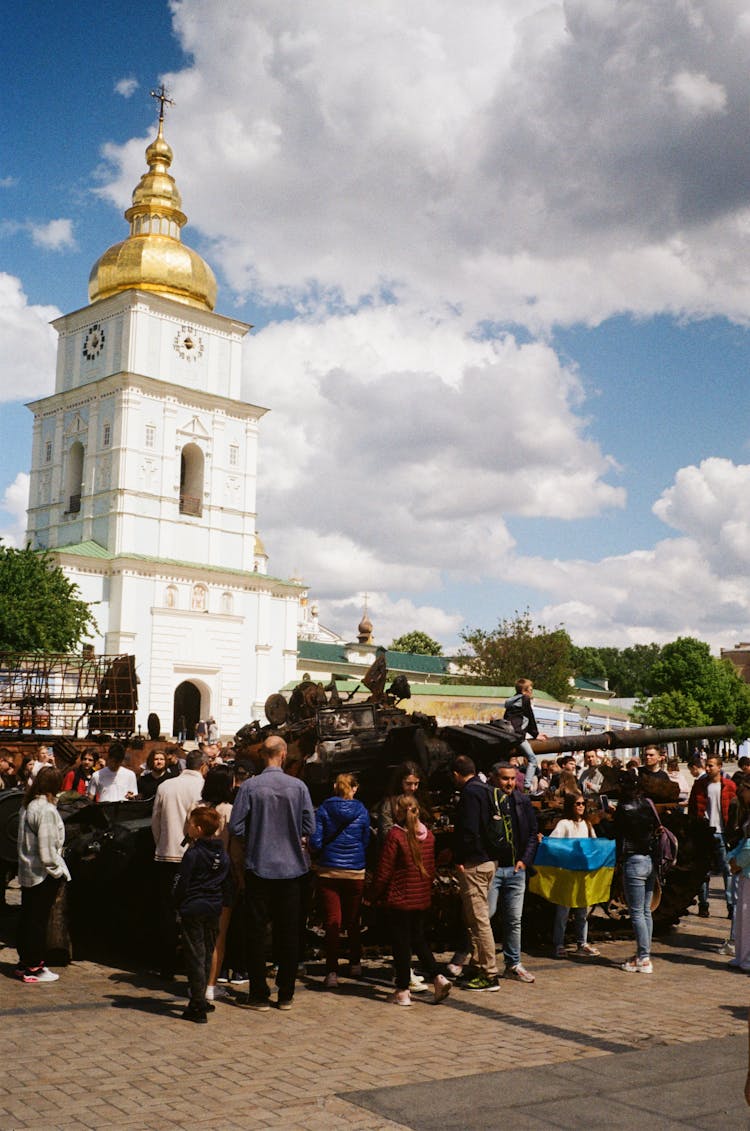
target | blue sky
x=498, y=270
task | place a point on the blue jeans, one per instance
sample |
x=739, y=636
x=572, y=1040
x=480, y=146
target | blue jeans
x=723, y=870
x=639, y=878
x=581, y=919
x=531, y=765
x=508, y=887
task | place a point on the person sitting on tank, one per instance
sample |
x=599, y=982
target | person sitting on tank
x=407, y=779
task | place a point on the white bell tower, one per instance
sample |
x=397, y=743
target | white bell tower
x=143, y=478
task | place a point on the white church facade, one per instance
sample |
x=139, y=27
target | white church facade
x=143, y=479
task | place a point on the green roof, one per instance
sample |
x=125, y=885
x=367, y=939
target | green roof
x=582, y=684
x=84, y=550
x=315, y=650
x=397, y=661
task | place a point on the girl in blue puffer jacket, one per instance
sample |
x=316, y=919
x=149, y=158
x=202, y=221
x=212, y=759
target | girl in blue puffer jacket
x=342, y=830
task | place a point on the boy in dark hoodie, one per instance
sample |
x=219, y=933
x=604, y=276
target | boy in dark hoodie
x=203, y=886
x=520, y=712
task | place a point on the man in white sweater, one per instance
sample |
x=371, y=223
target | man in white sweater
x=173, y=801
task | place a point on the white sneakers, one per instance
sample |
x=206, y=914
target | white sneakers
x=31, y=977
x=217, y=993
x=638, y=966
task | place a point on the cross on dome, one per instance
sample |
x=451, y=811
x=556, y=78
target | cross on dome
x=162, y=97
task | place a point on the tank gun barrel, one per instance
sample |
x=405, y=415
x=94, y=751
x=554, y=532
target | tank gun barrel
x=627, y=739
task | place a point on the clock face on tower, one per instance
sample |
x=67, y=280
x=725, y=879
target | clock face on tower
x=93, y=342
x=188, y=343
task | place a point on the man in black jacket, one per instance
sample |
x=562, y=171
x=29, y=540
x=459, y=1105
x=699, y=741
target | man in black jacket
x=475, y=869
x=515, y=857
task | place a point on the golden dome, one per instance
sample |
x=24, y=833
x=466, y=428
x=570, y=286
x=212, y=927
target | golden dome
x=364, y=629
x=153, y=257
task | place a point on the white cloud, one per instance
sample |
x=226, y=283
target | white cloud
x=55, y=235
x=412, y=177
x=27, y=344
x=697, y=94
x=520, y=160
x=398, y=445
x=8, y=182
x=694, y=584
x=390, y=618
x=15, y=500
x=127, y=86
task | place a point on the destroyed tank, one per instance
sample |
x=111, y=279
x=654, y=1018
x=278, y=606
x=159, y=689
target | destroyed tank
x=327, y=737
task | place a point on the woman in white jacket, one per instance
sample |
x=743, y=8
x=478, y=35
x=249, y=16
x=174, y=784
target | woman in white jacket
x=573, y=823
x=41, y=870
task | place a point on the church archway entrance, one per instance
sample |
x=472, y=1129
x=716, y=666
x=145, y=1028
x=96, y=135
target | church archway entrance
x=187, y=707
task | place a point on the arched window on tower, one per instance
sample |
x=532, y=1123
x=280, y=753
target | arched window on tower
x=227, y=603
x=170, y=597
x=199, y=602
x=74, y=478
x=191, y=480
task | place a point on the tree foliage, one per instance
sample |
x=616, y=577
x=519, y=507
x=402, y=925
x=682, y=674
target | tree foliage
x=418, y=643
x=518, y=648
x=693, y=688
x=40, y=609
x=627, y=670
x=672, y=709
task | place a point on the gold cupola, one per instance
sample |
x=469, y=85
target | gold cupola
x=153, y=257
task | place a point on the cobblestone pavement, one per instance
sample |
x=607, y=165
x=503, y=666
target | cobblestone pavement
x=106, y=1048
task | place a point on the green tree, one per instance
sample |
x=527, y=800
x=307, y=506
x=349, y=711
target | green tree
x=418, y=643
x=588, y=662
x=673, y=709
x=40, y=609
x=706, y=685
x=627, y=670
x=519, y=648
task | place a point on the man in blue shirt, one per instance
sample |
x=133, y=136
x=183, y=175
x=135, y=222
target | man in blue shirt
x=272, y=814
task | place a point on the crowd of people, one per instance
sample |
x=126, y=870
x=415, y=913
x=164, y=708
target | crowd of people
x=237, y=851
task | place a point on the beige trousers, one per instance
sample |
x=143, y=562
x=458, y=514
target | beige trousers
x=474, y=884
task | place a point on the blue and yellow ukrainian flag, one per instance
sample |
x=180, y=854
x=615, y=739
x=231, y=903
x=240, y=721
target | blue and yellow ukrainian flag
x=574, y=872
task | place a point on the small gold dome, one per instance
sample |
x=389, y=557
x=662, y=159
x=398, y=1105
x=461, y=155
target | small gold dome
x=364, y=629
x=153, y=257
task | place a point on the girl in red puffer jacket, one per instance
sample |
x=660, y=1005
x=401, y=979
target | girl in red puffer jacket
x=404, y=885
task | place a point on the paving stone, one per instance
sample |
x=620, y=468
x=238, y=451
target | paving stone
x=296, y=1071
